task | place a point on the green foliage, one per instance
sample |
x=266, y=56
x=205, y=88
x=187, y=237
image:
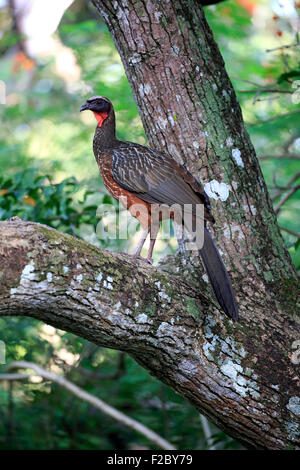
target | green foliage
x=31, y=196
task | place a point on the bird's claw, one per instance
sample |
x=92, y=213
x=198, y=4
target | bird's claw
x=140, y=258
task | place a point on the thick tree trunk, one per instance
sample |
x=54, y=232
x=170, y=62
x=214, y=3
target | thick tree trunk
x=243, y=376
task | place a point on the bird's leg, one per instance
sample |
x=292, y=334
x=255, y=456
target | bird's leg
x=179, y=233
x=153, y=236
x=140, y=245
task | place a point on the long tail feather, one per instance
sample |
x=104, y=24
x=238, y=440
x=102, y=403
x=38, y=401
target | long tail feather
x=218, y=276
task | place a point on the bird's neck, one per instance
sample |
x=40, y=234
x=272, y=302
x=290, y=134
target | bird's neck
x=105, y=135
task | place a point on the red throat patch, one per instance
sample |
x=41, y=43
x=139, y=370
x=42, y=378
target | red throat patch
x=100, y=118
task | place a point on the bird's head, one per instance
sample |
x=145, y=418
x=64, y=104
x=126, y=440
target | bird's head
x=100, y=106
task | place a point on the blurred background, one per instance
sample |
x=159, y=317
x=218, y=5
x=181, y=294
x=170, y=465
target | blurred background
x=55, y=54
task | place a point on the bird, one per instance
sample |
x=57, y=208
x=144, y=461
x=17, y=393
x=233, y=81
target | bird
x=147, y=181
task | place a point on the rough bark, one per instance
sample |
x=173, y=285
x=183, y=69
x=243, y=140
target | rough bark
x=242, y=376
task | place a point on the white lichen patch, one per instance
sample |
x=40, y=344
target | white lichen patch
x=99, y=277
x=163, y=329
x=293, y=430
x=188, y=367
x=233, y=231
x=217, y=190
x=236, y=153
x=141, y=90
x=134, y=59
x=231, y=369
x=66, y=269
x=231, y=349
x=294, y=405
x=229, y=142
x=205, y=278
x=107, y=285
x=79, y=278
x=144, y=89
x=162, y=123
x=249, y=209
x=27, y=275
x=142, y=318
x=171, y=120
x=78, y=266
x=164, y=296
x=241, y=384
x=168, y=332
x=49, y=277
x=209, y=348
x=229, y=355
x=157, y=15
x=196, y=145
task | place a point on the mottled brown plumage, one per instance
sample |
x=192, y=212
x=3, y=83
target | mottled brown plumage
x=135, y=174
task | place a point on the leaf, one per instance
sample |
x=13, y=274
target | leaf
x=287, y=75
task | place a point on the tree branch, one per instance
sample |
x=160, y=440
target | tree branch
x=292, y=180
x=169, y=323
x=280, y=157
x=85, y=396
x=285, y=198
x=291, y=232
x=273, y=118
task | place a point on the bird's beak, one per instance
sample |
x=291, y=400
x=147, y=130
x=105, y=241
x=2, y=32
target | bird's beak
x=84, y=107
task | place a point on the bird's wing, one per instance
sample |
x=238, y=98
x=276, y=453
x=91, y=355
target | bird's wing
x=155, y=177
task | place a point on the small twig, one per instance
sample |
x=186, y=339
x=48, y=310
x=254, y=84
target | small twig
x=94, y=401
x=266, y=90
x=260, y=100
x=282, y=188
x=280, y=157
x=273, y=118
x=285, y=198
x=207, y=432
x=286, y=46
x=291, y=232
x=70, y=216
x=15, y=376
x=247, y=81
x=288, y=186
x=91, y=374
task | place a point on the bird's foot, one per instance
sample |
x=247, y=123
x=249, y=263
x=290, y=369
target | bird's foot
x=138, y=257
